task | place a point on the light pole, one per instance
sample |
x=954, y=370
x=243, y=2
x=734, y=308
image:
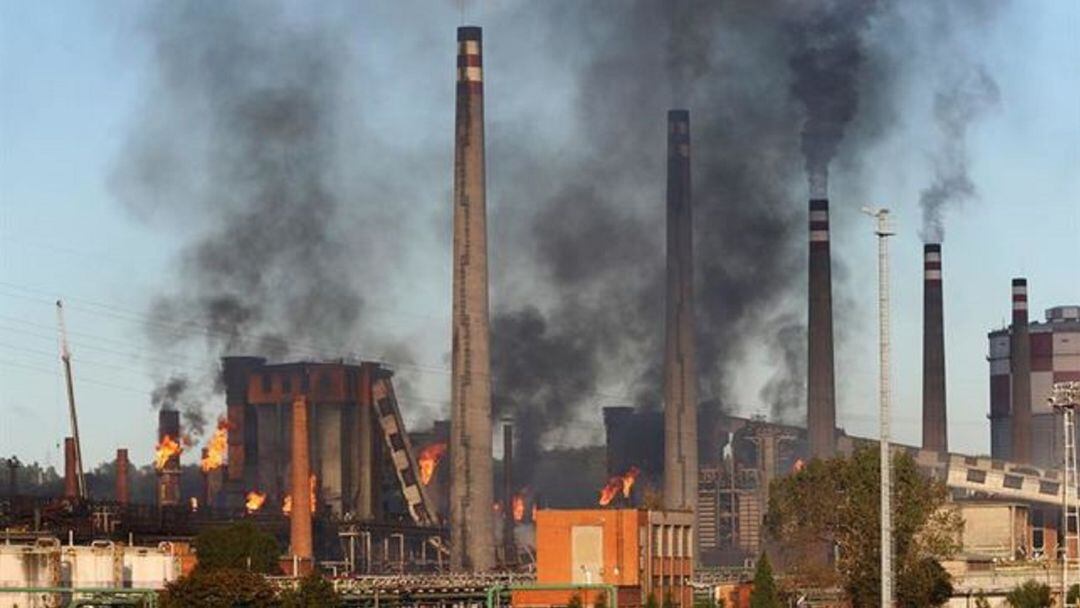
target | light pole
x=1065, y=398
x=881, y=229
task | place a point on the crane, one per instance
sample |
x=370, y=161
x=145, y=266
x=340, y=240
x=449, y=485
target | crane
x=65, y=358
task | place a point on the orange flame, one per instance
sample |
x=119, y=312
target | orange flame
x=166, y=449
x=216, y=447
x=428, y=461
x=798, y=466
x=519, y=507
x=254, y=501
x=619, y=483
x=286, y=503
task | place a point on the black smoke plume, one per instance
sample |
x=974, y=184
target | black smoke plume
x=962, y=98
x=238, y=143
x=176, y=393
x=828, y=55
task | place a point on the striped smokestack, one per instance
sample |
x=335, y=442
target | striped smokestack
x=472, y=489
x=934, y=429
x=821, y=391
x=1020, y=369
x=123, y=493
x=680, y=379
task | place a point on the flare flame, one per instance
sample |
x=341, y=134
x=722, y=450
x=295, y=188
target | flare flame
x=619, y=484
x=254, y=501
x=217, y=447
x=428, y=461
x=166, y=449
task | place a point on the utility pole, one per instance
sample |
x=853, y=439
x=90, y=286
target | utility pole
x=1065, y=398
x=883, y=232
x=65, y=358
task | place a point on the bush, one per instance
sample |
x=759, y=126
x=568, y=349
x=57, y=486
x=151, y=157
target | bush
x=218, y=588
x=1031, y=594
x=313, y=592
x=240, y=546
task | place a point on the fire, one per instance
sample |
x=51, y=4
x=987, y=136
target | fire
x=798, y=466
x=428, y=461
x=619, y=483
x=519, y=507
x=254, y=501
x=286, y=504
x=216, y=447
x=194, y=502
x=166, y=449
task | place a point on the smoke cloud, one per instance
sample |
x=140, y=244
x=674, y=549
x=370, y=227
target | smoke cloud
x=175, y=393
x=964, y=96
x=827, y=57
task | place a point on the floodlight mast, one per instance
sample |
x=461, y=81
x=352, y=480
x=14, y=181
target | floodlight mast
x=882, y=231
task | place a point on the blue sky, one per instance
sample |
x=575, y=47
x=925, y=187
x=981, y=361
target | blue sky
x=72, y=74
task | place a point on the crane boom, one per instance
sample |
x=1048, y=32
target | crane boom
x=65, y=358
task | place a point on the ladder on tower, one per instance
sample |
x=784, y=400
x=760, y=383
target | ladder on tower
x=1065, y=398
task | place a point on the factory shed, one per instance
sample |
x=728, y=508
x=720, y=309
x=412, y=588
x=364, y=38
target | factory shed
x=637, y=552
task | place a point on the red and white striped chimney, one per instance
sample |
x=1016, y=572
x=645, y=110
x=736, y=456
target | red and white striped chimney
x=821, y=391
x=472, y=490
x=1020, y=370
x=935, y=435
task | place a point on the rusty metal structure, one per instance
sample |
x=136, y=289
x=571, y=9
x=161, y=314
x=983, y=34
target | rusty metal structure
x=471, y=487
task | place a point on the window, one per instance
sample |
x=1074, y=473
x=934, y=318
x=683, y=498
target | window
x=305, y=382
x=1048, y=487
x=267, y=383
x=286, y=384
x=976, y=476
x=1014, y=482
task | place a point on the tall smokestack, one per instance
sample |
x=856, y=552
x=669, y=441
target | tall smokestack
x=169, y=475
x=472, y=488
x=680, y=376
x=71, y=482
x=508, y=492
x=821, y=389
x=123, y=492
x=300, y=541
x=1020, y=368
x=935, y=431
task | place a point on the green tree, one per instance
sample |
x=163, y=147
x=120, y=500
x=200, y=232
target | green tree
x=575, y=601
x=240, y=546
x=981, y=601
x=669, y=600
x=1032, y=594
x=764, y=594
x=836, y=502
x=923, y=583
x=1073, y=595
x=220, y=588
x=600, y=601
x=650, y=601
x=313, y=592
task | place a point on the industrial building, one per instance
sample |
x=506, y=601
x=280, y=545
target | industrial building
x=637, y=553
x=1055, y=357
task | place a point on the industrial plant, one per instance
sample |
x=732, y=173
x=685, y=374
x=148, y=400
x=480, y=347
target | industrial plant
x=319, y=453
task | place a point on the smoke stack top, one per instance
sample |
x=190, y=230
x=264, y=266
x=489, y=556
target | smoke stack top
x=470, y=59
x=1019, y=301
